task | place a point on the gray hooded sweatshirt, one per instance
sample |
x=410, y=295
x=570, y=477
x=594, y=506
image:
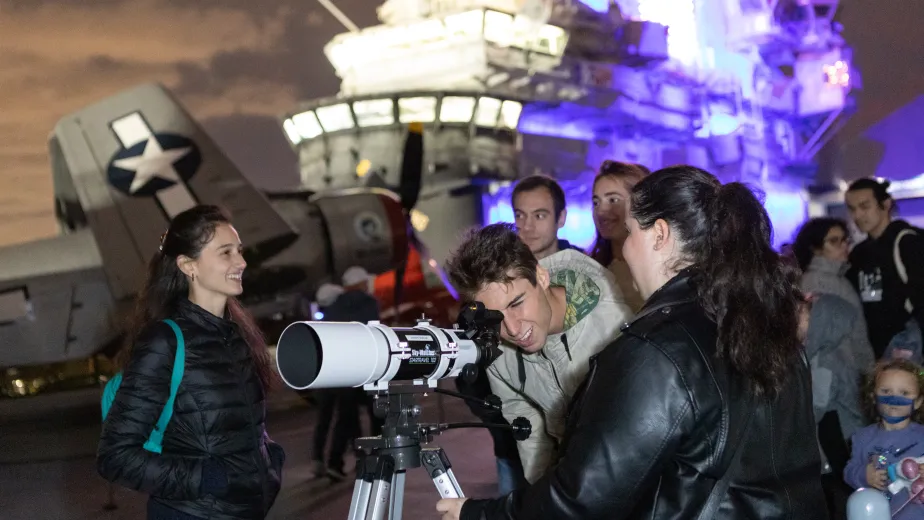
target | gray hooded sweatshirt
x=540, y=386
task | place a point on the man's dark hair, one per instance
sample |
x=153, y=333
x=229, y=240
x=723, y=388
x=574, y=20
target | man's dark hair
x=492, y=254
x=537, y=181
x=880, y=189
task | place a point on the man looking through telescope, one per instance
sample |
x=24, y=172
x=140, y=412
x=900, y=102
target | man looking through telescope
x=558, y=312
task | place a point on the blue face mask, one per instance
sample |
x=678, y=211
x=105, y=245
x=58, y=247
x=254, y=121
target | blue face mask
x=894, y=400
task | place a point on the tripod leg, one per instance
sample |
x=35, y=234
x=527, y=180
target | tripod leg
x=362, y=488
x=397, y=496
x=435, y=461
x=381, y=488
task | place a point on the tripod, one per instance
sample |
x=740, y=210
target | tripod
x=384, y=460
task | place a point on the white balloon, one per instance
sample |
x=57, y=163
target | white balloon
x=868, y=504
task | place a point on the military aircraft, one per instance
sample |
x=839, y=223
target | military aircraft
x=122, y=169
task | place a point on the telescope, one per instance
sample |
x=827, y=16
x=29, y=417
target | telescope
x=317, y=354
x=396, y=363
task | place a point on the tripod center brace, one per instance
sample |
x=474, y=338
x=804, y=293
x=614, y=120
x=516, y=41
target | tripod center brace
x=384, y=460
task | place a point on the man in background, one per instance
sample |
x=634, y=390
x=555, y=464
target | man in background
x=351, y=302
x=539, y=210
x=887, y=271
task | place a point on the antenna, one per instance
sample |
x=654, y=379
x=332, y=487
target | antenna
x=338, y=14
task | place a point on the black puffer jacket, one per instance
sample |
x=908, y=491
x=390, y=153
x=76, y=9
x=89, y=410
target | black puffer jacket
x=657, y=426
x=217, y=461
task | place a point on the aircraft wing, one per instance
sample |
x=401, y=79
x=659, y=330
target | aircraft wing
x=55, y=303
x=136, y=160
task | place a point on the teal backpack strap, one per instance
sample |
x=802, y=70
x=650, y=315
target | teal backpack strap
x=157, y=436
x=109, y=392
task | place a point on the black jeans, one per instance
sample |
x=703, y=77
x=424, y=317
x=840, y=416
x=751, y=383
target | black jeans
x=344, y=401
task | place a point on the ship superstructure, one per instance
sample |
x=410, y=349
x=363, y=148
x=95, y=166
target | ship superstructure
x=748, y=89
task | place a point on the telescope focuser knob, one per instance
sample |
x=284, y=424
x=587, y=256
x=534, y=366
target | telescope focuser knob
x=469, y=373
x=522, y=428
x=493, y=401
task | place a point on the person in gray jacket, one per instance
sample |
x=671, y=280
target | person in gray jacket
x=558, y=313
x=834, y=384
x=821, y=248
x=835, y=393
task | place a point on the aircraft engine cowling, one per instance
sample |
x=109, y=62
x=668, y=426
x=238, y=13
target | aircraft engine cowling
x=366, y=228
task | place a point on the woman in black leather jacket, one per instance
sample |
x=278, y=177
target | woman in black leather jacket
x=217, y=461
x=702, y=408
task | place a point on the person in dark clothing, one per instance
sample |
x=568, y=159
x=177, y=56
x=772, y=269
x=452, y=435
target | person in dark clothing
x=702, y=407
x=354, y=303
x=217, y=460
x=345, y=403
x=886, y=269
x=510, y=475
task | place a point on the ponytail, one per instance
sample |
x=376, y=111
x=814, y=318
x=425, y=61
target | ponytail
x=743, y=284
x=749, y=290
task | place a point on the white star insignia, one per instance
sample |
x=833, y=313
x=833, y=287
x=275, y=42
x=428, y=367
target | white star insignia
x=154, y=162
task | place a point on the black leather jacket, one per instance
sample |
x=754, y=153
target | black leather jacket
x=218, y=416
x=656, y=427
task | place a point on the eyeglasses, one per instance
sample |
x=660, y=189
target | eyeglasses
x=836, y=241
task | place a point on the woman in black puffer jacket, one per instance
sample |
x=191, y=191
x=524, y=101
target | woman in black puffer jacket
x=217, y=461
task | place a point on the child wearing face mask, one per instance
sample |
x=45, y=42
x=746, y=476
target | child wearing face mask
x=893, y=396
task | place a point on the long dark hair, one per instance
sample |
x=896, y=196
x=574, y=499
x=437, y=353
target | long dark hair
x=166, y=285
x=725, y=236
x=812, y=236
x=602, y=250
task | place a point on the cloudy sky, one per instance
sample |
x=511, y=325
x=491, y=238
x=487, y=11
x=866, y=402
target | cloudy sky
x=236, y=64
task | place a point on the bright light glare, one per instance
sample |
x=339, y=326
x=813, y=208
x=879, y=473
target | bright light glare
x=723, y=124
x=457, y=109
x=335, y=117
x=291, y=131
x=307, y=125
x=417, y=109
x=419, y=220
x=351, y=51
x=487, y=112
x=470, y=23
x=680, y=18
x=510, y=114
x=374, y=112
x=363, y=167
x=837, y=74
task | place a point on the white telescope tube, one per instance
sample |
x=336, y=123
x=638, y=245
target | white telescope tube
x=313, y=354
x=331, y=354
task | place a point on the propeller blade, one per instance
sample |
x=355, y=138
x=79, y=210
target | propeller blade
x=412, y=167
x=409, y=191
